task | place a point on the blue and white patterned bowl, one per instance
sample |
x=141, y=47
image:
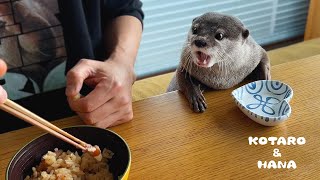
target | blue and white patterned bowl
x=265, y=101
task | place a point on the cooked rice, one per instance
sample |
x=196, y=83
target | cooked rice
x=71, y=166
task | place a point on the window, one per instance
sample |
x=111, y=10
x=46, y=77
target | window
x=167, y=22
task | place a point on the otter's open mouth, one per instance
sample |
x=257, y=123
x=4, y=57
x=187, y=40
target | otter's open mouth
x=202, y=59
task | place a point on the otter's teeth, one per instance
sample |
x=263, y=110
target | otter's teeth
x=202, y=57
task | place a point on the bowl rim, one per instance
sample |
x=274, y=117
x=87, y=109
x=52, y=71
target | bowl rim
x=271, y=117
x=127, y=146
x=286, y=99
x=289, y=87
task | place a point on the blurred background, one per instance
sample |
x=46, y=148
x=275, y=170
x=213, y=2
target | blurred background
x=167, y=23
x=31, y=38
x=31, y=42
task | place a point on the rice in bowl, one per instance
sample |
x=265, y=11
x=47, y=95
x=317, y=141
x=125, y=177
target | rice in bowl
x=70, y=165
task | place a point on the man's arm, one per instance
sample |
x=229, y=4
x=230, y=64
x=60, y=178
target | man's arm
x=110, y=102
x=122, y=40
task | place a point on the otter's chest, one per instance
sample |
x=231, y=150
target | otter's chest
x=223, y=76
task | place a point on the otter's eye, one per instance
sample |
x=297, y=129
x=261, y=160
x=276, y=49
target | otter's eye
x=219, y=36
x=194, y=30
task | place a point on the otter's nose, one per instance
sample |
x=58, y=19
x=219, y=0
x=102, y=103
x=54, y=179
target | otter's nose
x=200, y=43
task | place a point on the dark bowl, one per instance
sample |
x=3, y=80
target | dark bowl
x=30, y=155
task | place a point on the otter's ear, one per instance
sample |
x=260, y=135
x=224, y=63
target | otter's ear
x=245, y=33
x=194, y=19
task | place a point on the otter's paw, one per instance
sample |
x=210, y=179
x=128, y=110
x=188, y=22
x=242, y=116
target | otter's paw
x=198, y=102
x=264, y=73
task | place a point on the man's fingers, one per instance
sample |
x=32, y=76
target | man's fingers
x=128, y=118
x=114, y=119
x=76, y=76
x=3, y=68
x=100, y=113
x=102, y=93
x=3, y=95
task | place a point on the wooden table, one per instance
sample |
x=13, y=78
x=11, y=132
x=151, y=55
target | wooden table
x=169, y=141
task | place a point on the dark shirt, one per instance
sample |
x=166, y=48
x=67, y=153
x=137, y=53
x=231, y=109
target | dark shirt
x=84, y=23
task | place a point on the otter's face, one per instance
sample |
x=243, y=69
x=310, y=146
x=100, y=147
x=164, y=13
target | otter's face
x=213, y=38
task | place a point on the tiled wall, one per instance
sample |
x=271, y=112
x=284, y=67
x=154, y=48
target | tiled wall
x=31, y=42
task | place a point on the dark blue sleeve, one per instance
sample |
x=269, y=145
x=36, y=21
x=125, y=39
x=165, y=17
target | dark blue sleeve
x=83, y=23
x=115, y=8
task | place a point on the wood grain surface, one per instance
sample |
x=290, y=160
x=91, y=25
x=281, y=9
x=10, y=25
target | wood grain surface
x=169, y=141
x=312, y=29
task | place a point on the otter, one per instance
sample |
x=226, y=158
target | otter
x=219, y=53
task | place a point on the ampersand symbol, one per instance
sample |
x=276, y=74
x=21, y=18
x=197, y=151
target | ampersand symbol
x=276, y=153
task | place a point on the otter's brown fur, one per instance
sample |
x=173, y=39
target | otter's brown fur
x=219, y=53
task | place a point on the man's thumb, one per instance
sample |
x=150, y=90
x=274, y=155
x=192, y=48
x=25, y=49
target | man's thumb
x=75, y=78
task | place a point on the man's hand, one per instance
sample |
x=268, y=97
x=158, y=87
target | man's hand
x=110, y=103
x=3, y=95
x=3, y=70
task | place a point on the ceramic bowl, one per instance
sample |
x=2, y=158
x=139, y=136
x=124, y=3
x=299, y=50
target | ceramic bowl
x=265, y=101
x=30, y=155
